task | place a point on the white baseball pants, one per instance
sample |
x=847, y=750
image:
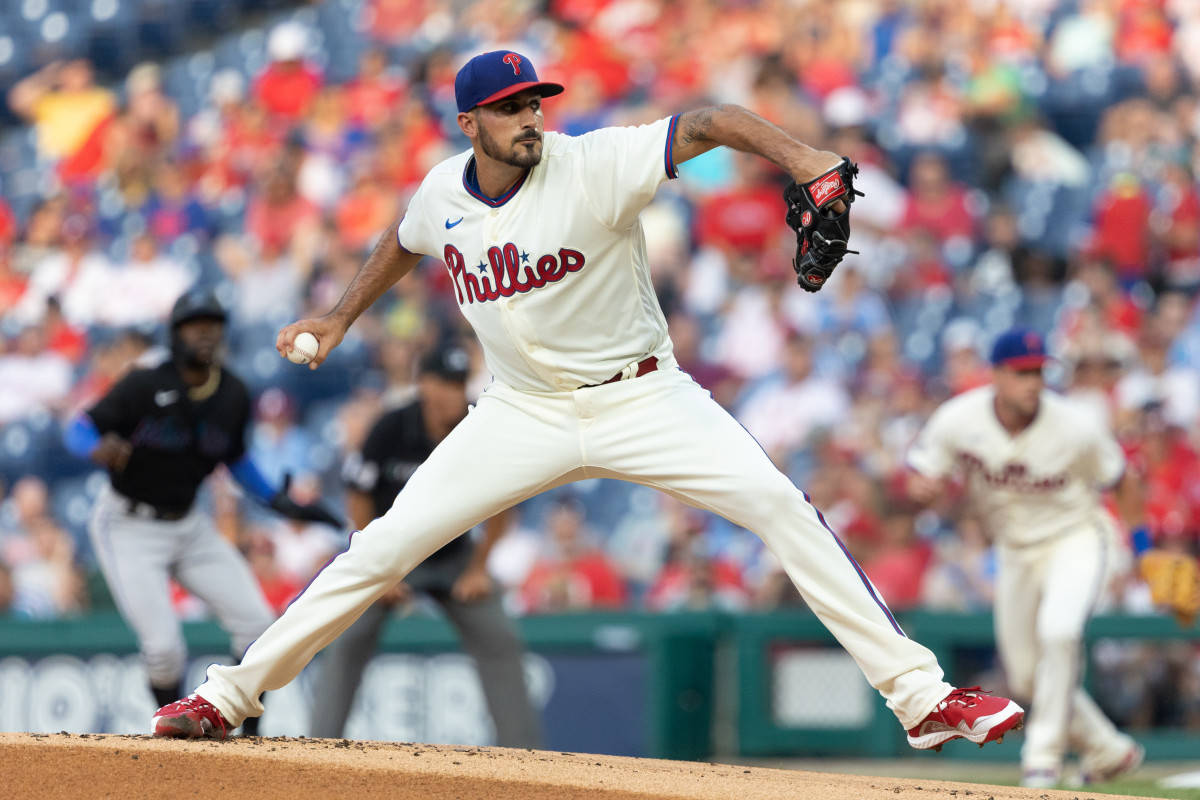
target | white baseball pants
x=661, y=430
x=1044, y=596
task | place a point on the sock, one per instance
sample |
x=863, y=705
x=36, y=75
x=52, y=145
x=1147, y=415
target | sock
x=164, y=696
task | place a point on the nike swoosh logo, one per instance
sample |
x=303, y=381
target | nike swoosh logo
x=165, y=398
x=450, y=224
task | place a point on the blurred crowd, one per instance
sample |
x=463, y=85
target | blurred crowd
x=1024, y=161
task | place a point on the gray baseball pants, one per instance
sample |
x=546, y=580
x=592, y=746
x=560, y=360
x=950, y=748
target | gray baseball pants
x=138, y=555
x=487, y=635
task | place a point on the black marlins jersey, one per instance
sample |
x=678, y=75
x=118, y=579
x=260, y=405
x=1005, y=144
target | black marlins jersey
x=176, y=441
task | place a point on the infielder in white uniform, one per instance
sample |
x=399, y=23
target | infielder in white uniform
x=1034, y=466
x=541, y=237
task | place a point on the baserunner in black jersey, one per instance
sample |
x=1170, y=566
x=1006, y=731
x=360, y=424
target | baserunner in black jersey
x=159, y=432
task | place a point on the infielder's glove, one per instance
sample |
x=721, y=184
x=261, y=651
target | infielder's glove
x=1174, y=581
x=821, y=231
x=283, y=503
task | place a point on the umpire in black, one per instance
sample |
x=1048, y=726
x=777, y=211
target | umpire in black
x=454, y=577
x=159, y=432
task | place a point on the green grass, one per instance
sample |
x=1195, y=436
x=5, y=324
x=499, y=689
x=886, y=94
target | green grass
x=1141, y=788
x=1143, y=784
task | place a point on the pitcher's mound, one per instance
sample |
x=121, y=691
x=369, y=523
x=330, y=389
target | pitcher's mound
x=130, y=767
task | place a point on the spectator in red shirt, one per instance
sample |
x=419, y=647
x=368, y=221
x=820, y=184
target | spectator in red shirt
x=743, y=218
x=287, y=86
x=1168, y=464
x=1143, y=32
x=898, y=568
x=376, y=94
x=584, y=53
x=278, y=213
x=236, y=135
x=1122, y=227
x=1117, y=311
x=935, y=203
x=576, y=575
x=394, y=21
x=1177, y=226
x=409, y=148
x=62, y=337
x=692, y=580
x=926, y=268
x=277, y=586
x=8, y=224
x=364, y=211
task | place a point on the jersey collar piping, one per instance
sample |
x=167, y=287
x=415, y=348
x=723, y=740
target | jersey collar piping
x=471, y=184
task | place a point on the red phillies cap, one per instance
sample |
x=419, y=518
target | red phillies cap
x=489, y=77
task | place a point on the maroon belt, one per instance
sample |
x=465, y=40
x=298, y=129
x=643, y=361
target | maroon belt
x=644, y=366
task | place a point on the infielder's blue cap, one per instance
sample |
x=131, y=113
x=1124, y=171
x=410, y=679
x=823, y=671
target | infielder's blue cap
x=1019, y=348
x=489, y=77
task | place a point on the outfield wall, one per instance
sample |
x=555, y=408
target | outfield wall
x=680, y=686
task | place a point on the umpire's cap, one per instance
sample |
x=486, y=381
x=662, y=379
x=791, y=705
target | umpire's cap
x=449, y=362
x=197, y=303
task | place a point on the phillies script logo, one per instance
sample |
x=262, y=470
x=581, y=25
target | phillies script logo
x=1014, y=475
x=508, y=271
x=826, y=188
x=514, y=61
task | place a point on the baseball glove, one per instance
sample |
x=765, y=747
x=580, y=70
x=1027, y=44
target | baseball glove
x=821, y=231
x=1174, y=581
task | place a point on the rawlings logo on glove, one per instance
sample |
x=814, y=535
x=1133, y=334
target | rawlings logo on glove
x=821, y=231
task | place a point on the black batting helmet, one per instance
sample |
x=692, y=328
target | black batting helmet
x=197, y=303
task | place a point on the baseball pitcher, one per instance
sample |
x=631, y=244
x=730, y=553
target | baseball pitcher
x=539, y=233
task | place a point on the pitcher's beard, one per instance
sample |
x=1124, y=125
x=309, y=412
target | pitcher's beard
x=519, y=156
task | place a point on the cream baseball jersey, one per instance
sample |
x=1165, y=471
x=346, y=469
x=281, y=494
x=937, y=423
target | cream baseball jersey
x=1042, y=482
x=553, y=275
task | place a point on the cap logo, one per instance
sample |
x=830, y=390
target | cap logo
x=1032, y=342
x=514, y=61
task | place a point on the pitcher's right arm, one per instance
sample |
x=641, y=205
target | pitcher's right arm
x=388, y=263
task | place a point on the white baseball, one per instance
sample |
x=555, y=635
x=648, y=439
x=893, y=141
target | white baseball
x=304, y=348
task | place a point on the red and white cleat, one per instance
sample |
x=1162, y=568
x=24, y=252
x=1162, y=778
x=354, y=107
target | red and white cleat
x=970, y=713
x=193, y=717
x=1128, y=762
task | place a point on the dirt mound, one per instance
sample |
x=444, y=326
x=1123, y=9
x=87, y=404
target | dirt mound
x=129, y=767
